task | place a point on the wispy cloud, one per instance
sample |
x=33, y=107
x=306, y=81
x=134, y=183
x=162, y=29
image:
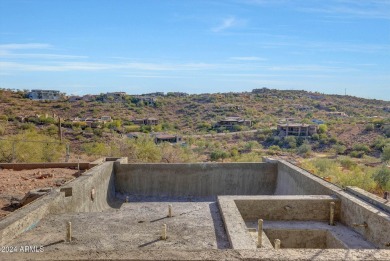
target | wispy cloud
x=90, y=66
x=17, y=46
x=227, y=23
x=40, y=56
x=368, y=9
x=247, y=58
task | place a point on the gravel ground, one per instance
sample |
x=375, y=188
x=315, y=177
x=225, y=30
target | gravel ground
x=15, y=184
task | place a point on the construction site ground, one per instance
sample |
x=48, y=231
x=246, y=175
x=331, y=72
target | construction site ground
x=15, y=184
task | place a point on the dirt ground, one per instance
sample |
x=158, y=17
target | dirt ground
x=136, y=226
x=15, y=184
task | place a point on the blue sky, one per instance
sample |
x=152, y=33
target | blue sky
x=140, y=46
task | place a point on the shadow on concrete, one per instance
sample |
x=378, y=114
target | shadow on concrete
x=112, y=201
x=149, y=243
x=219, y=228
x=55, y=243
x=143, y=198
x=152, y=221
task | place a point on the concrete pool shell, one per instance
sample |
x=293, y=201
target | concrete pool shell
x=118, y=210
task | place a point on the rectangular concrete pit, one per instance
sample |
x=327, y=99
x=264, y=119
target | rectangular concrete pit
x=289, y=199
x=321, y=239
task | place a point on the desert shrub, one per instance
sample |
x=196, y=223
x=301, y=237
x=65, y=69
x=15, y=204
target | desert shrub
x=218, y=154
x=369, y=127
x=291, y=142
x=30, y=146
x=95, y=148
x=347, y=162
x=322, y=128
x=315, y=136
x=304, y=149
x=386, y=131
x=339, y=149
x=52, y=130
x=356, y=154
x=2, y=128
x=380, y=142
x=361, y=147
x=386, y=153
x=382, y=177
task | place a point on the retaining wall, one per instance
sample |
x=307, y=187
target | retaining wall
x=74, y=196
x=198, y=179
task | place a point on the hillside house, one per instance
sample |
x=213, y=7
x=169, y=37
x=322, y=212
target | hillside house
x=230, y=122
x=159, y=138
x=301, y=107
x=337, y=114
x=154, y=94
x=296, y=129
x=262, y=90
x=145, y=121
x=74, y=98
x=106, y=118
x=44, y=95
x=177, y=94
x=114, y=96
x=88, y=98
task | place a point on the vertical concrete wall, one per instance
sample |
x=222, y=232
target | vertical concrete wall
x=293, y=180
x=101, y=179
x=198, y=179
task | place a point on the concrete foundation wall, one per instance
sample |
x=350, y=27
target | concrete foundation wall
x=293, y=180
x=288, y=208
x=99, y=179
x=78, y=198
x=198, y=179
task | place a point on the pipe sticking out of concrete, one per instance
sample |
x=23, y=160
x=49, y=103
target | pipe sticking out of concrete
x=170, y=210
x=164, y=232
x=259, y=233
x=277, y=244
x=68, y=232
x=331, y=216
x=127, y=199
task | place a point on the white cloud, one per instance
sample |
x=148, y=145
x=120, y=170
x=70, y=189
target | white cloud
x=226, y=24
x=40, y=56
x=16, y=46
x=248, y=58
x=90, y=66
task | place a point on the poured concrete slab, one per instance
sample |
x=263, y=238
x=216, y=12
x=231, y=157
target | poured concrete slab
x=136, y=225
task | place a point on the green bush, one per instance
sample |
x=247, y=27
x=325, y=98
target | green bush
x=30, y=146
x=361, y=147
x=382, y=177
x=386, y=131
x=218, y=154
x=347, y=163
x=304, y=149
x=291, y=141
x=339, y=149
x=322, y=128
x=357, y=154
x=386, y=153
x=369, y=127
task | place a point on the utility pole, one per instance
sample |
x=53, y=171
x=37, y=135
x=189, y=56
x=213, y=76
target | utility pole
x=59, y=129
